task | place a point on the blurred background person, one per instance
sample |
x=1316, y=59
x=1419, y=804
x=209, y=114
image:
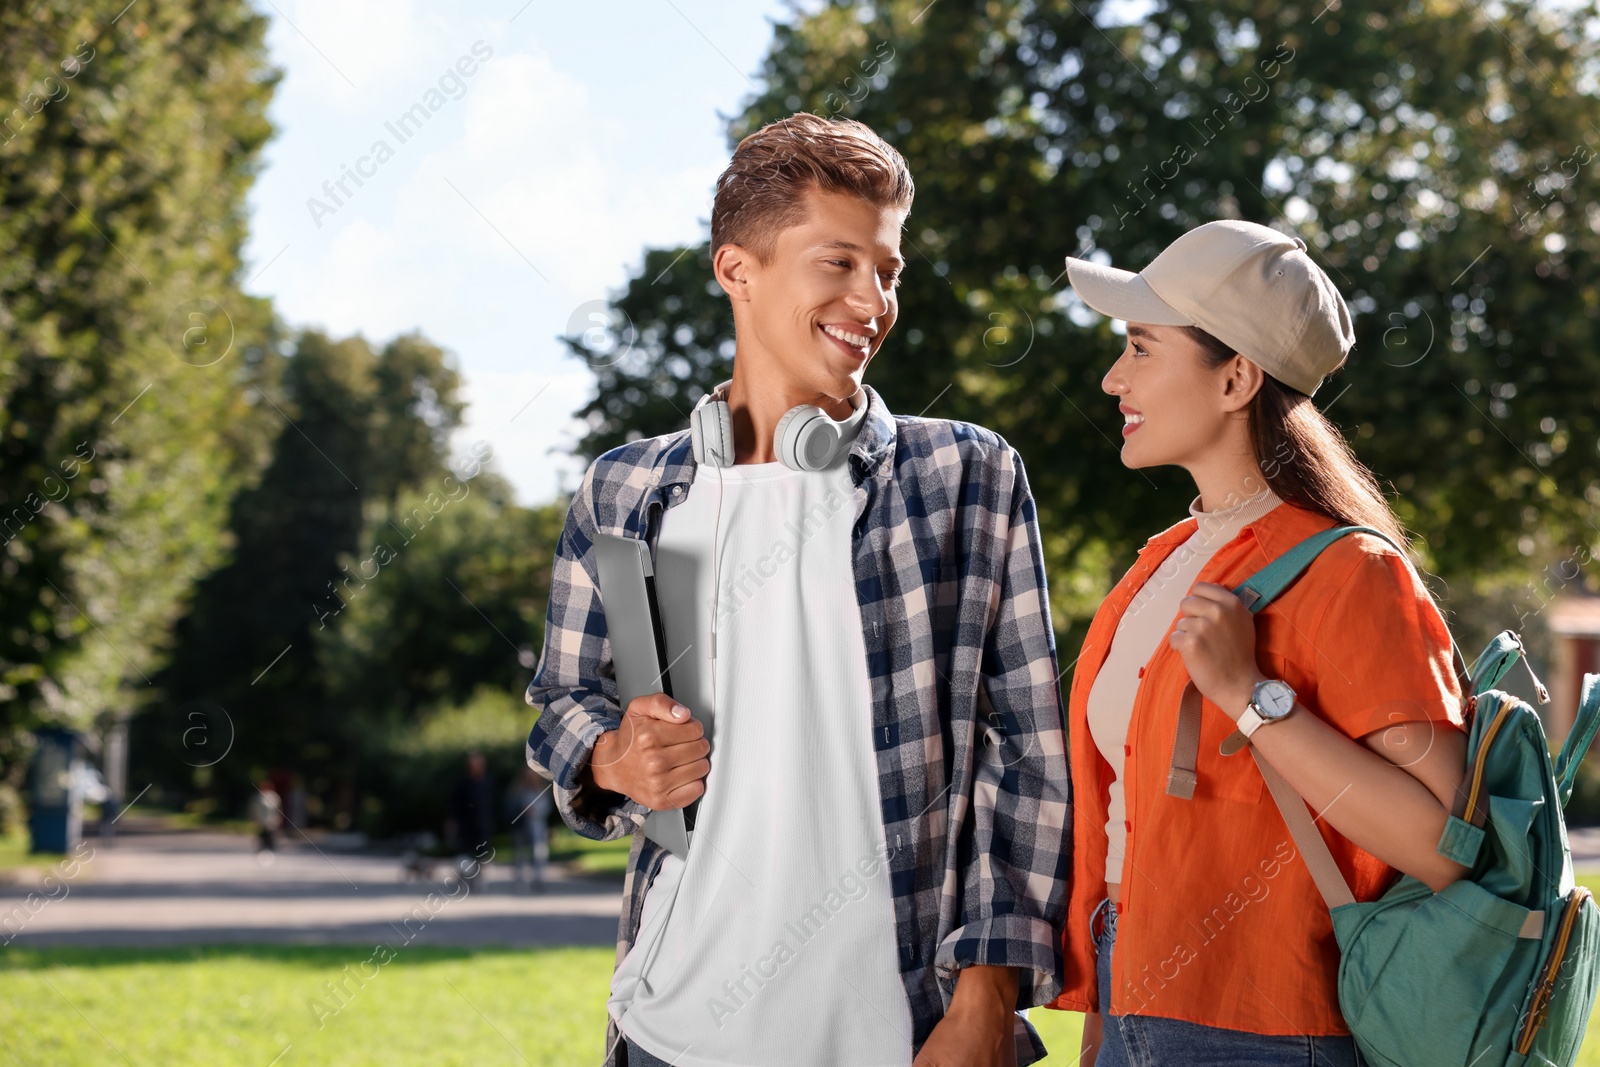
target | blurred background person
x=529, y=804
x=266, y=811
x=471, y=826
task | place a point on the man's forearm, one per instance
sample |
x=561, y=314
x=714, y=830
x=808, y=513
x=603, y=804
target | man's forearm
x=985, y=988
x=594, y=781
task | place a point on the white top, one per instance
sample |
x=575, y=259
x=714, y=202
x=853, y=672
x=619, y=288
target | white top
x=1140, y=632
x=774, y=943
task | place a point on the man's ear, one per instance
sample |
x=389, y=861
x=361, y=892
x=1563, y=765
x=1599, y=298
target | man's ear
x=1244, y=380
x=733, y=264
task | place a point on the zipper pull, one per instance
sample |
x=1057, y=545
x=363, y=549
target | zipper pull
x=1538, y=686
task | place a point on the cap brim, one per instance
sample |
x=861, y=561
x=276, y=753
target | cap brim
x=1121, y=294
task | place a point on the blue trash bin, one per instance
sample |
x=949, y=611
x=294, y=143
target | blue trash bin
x=55, y=797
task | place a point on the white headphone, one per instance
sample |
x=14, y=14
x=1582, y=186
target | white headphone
x=807, y=438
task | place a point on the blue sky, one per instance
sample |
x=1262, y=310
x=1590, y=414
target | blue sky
x=548, y=159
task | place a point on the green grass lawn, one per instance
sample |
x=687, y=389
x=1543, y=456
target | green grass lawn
x=14, y=851
x=272, y=1007
x=590, y=857
x=226, y=1005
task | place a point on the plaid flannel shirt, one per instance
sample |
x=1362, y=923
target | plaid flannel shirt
x=968, y=719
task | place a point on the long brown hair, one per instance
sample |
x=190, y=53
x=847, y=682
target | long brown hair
x=1304, y=457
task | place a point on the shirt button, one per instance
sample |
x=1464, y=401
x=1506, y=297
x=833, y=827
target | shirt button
x=1141, y=672
x=1128, y=826
x=677, y=490
x=1127, y=750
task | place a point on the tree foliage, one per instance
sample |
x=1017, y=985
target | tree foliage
x=357, y=427
x=127, y=349
x=1438, y=158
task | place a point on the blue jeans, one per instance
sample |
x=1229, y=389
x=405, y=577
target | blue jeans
x=638, y=1057
x=1150, y=1041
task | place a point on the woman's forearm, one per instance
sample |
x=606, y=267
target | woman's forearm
x=1372, y=801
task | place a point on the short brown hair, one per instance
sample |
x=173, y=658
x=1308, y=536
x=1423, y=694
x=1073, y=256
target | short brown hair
x=760, y=193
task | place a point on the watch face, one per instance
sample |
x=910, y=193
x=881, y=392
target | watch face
x=1275, y=699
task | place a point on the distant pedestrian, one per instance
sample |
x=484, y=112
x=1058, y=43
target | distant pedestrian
x=266, y=811
x=472, y=811
x=529, y=804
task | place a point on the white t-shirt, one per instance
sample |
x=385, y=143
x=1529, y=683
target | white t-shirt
x=774, y=943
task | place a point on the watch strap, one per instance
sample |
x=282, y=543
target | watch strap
x=1251, y=721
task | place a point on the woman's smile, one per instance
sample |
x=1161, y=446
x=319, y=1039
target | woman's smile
x=1131, y=419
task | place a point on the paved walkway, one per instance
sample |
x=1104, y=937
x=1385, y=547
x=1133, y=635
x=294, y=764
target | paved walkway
x=200, y=887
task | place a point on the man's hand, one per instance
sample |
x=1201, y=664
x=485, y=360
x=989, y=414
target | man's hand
x=656, y=758
x=977, y=1030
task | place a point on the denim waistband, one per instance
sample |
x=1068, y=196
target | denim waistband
x=1102, y=922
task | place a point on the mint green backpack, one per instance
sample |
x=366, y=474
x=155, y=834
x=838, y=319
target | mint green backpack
x=1500, y=968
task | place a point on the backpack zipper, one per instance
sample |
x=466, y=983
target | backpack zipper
x=1539, y=1007
x=1481, y=761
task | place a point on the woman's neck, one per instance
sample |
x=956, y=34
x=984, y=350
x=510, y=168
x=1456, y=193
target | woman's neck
x=1227, y=481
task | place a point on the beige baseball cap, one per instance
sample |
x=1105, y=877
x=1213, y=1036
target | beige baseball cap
x=1247, y=285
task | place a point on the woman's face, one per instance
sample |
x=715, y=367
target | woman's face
x=1175, y=408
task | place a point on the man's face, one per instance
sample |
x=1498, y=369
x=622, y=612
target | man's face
x=824, y=301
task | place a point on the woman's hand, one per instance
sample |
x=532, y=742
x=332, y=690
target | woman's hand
x=1216, y=636
x=1093, y=1038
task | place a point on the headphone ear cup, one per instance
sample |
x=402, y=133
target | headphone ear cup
x=806, y=438
x=711, y=428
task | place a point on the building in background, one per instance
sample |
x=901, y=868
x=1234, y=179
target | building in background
x=1574, y=623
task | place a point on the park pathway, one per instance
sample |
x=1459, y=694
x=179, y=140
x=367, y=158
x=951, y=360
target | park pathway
x=157, y=887
x=160, y=887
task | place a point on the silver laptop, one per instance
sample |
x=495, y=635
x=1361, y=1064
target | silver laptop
x=639, y=655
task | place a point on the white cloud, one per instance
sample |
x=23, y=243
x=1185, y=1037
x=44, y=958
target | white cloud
x=578, y=144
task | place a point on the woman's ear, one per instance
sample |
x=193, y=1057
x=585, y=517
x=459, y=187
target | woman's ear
x=732, y=265
x=1243, y=381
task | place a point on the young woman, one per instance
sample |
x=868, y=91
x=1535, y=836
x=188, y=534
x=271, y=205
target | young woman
x=1195, y=934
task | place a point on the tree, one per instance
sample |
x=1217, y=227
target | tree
x=127, y=350
x=449, y=596
x=355, y=427
x=1433, y=156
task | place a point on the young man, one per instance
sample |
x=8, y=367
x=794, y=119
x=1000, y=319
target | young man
x=878, y=866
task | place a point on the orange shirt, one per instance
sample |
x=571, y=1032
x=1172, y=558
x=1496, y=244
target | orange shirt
x=1221, y=923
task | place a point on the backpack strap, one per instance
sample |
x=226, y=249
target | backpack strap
x=1257, y=591
x=1579, y=738
x=1302, y=827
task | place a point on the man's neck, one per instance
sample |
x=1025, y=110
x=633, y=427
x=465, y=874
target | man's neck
x=757, y=403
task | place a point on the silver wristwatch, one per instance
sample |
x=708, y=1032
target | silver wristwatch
x=1270, y=701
